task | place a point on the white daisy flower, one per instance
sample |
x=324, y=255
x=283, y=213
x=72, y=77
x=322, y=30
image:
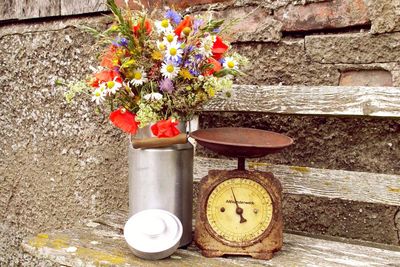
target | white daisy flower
x=174, y=51
x=163, y=26
x=206, y=46
x=98, y=95
x=153, y=97
x=113, y=86
x=230, y=63
x=169, y=70
x=170, y=38
x=161, y=46
x=139, y=77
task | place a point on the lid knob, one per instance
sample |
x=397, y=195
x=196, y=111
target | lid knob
x=155, y=226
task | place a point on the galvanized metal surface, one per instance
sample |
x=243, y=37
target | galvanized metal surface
x=162, y=178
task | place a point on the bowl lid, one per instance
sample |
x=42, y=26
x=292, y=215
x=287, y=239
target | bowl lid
x=153, y=231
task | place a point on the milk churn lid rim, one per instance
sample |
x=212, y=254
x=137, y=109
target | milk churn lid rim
x=153, y=230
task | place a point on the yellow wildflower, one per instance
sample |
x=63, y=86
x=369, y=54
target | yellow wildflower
x=156, y=55
x=184, y=73
x=211, y=91
x=128, y=63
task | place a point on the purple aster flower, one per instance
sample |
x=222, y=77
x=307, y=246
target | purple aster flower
x=188, y=49
x=166, y=85
x=216, y=30
x=123, y=41
x=173, y=15
x=178, y=62
x=120, y=41
x=194, y=72
x=197, y=24
x=198, y=57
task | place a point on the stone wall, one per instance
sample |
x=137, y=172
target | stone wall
x=317, y=42
x=59, y=163
x=334, y=43
x=63, y=163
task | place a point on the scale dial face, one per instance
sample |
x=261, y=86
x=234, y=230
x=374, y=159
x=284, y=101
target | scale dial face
x=239, y=211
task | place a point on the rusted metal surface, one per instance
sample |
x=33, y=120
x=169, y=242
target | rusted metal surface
x=241, y=142
x=262, y=245
x=155, y=142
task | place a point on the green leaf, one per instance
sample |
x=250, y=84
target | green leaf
x=207, y=67
x=225, y=72
x=212, y=25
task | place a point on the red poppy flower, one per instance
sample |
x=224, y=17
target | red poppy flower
x=93, y=82
x=165, y=128
x=105, y=76
x=186, y=22
x=219, y=48
x=108, y=58
x=124, y=120
x=147, y=25
x=216, y=67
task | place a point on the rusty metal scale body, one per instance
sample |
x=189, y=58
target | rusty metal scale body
x=239, y=211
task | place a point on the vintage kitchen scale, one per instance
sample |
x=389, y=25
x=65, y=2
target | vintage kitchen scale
x=240, y=211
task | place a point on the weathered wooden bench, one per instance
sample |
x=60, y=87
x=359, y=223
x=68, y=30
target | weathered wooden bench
x=100, y=241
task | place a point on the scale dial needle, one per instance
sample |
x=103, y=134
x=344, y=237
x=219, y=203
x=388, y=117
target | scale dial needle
x=239, y=210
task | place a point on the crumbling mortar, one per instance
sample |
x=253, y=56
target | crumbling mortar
x=269, y=5
x=39, y=31
x=380, y=33
x=397, y=224
x=221, y=7
x=54, y=24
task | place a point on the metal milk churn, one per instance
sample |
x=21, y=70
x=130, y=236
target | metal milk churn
x=162, y=178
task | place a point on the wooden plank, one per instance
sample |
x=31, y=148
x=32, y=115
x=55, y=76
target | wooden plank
x=312, y=100
x=27, y=9
x=73, y=7
x=347, y=185
x=7, y=10
x=99, y=244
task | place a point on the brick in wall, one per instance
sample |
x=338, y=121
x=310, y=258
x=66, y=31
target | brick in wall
x=324, y=15
x=366, y=78
x=253, y=24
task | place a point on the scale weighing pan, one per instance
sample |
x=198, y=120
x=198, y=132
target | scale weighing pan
x=241, y=143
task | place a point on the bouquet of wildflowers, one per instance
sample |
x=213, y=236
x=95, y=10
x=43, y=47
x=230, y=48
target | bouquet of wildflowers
x=159, y=71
